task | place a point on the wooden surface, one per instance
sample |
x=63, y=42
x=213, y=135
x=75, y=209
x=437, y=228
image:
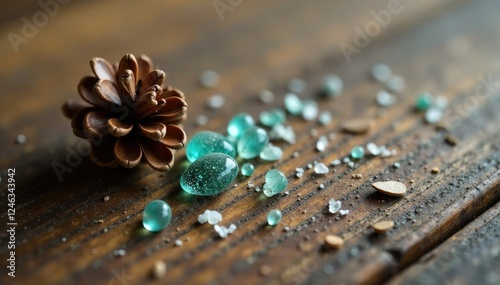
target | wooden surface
x=446, y=229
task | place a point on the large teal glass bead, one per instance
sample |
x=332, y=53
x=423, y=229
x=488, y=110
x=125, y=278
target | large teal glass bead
x=252, y=142
x=276, y=182
x=206, y=142
x=423, y=101
x=239, y=123
x=274, y=217
x=157, y=215
x=209, y=175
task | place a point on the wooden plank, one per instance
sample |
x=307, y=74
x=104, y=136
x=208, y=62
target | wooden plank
x=62, y=241
x=472, y=255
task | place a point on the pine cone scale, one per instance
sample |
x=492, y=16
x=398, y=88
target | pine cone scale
x=86, y=91
x=103, y=69
x=118, y=128
x=153, y=130
x=175, y=137
x=145, y=65
x=107, y=92
x=157, y=155
x=95, y=124
x=127, y=151
x=128, y=62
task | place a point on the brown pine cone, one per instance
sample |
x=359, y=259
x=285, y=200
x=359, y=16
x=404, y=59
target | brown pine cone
x=127, y=115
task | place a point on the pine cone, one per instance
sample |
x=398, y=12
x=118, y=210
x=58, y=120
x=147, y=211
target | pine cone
x=127, y=115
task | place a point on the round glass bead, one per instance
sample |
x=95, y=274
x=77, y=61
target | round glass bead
x=206, y=142
x=395, y=83
x=252, y=142
x=274, y=217
x=209, y=78
x=276, y=182
x=271, y=153
x=433, y=115
x=157, y=215
x=209, y=175
x=293, y=104
x=272, y=117
x=297, y=85
x=266, y=96
x=239, y=124
x=423, y=101
x=381, y=72
x=357, y=152
x=247, y=169
x=385, y=99
x=310, y=110
x=332, y=85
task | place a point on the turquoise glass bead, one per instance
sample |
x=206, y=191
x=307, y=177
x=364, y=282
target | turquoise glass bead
x=209, y=175
x=276, y=182
x=247, y=169
x=157, y=215
x=274, y=217
x=206, y=142
x=252, y=142
x=423, y=101
x=271, y=153
x=310, y=110
x=239, y=124
x=293, y=104
x=233, y=141
x=332, y=85
x=272, y=117
x=357, y=152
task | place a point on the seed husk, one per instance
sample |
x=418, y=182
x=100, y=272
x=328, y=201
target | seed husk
x=333, y=242
x=159, y=270
x=451, y=140
x=358, y=125
x=391, y=188
x=383, y=226
x=265, y=270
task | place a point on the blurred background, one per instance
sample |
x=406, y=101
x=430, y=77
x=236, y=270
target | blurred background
x=47, y=45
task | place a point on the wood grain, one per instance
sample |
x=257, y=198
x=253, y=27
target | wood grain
x=470, y=254
x=67, y=232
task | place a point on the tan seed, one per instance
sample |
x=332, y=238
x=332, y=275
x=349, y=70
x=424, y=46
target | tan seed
x=159, y=270
x=391, y=188
x=265, y=270
x=383, y=226
x=358, y=125
x=451, y=140
x=435, y=170
x=357, y=176
x=333, y=242
x=441, y=126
